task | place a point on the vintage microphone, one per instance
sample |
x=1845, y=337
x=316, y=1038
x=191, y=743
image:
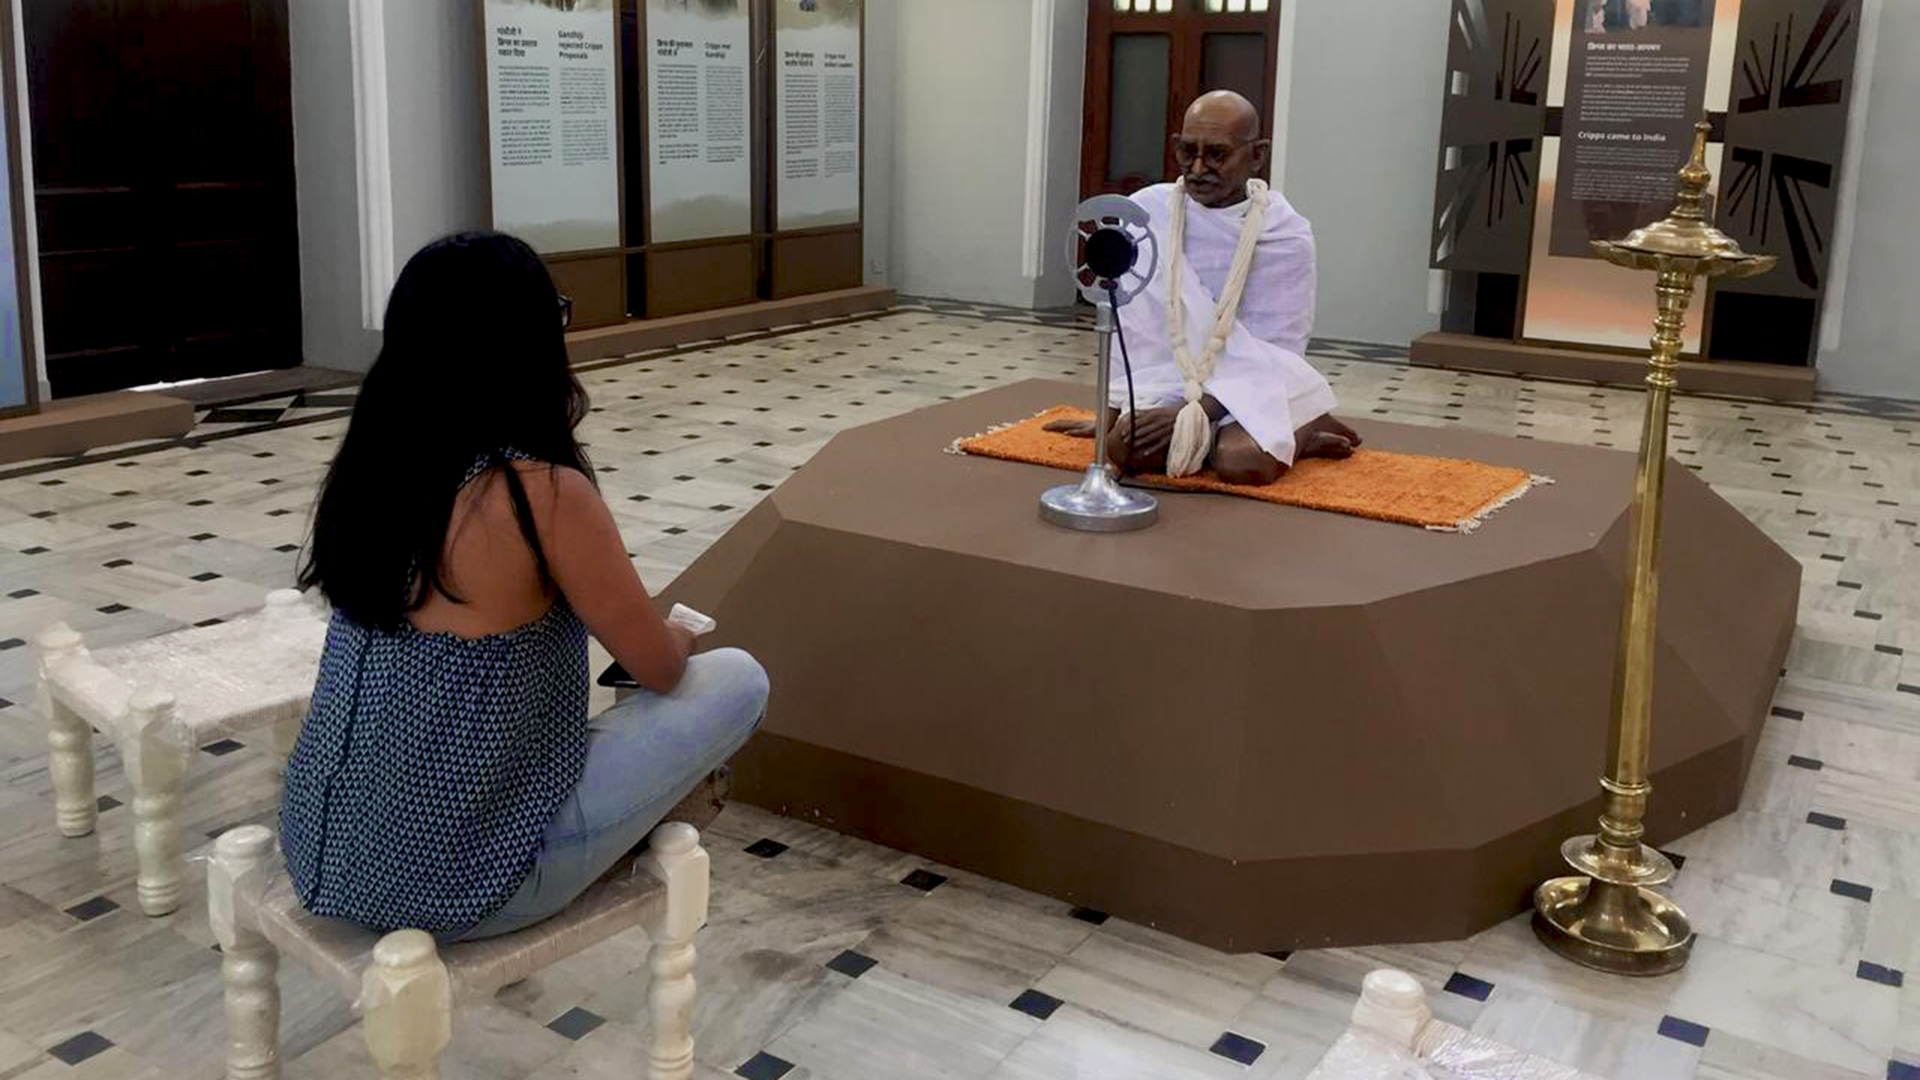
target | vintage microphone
x=1115, y=255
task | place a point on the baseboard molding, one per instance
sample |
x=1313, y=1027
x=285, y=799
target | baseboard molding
x=638, y=335
x=75, y=425
x=1464, y=352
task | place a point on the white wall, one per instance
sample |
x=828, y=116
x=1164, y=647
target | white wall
x=437, y=146
x=1879, y=349
x=959, y=148
x=1362, y=130
x=436, y=84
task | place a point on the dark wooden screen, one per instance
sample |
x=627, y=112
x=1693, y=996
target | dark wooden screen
x=164, y=189
x=1780, y=176
x=1492, y=128
x=1147, y=60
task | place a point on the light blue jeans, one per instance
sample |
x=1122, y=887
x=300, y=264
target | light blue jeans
x=643, y=756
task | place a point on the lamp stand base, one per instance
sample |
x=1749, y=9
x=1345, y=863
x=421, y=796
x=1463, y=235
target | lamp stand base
x=1619, y=929
x=1098, y=504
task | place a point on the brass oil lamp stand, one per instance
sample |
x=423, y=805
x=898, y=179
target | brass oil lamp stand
x=1608, y=916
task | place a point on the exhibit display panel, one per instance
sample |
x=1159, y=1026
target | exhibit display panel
x=702, y=91
x=700, y=157
x=673, y=157
x=552, y=92
x=1499, y=60
x=817, y=87
x=816, y=147
x=1619, y=84
x=19, y=385
x=1629, y=94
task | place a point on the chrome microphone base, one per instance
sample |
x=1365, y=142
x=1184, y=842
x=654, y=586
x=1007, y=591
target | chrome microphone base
x=1099, y=504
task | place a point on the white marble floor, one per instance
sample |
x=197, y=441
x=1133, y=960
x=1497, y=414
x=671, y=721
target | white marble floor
x=832, y=958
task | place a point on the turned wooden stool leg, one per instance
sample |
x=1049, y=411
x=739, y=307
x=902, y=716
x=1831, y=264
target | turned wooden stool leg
x=409, y=1006
x=156, y=750
x=675, y=857
x=249, y=964
x=284, y=606
x=1393, y=1006
x=69, y=741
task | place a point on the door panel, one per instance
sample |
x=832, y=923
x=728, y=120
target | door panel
x=1142, y=74
x=1234, y=61
x=164, y=189
x=1143, y=53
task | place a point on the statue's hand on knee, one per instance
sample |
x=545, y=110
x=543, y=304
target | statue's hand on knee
x=1138, y=442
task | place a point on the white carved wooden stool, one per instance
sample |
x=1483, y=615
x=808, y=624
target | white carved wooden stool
x=161, y=699
x=406, y=988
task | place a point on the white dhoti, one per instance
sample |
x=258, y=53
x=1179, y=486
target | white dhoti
x=1260, y=377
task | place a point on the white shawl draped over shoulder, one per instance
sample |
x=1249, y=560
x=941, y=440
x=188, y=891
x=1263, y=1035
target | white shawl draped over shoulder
x=1261, y=377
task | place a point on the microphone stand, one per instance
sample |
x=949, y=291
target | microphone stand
x=1098, y=503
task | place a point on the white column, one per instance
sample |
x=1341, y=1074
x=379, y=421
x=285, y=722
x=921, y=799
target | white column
x=1283, y=89
x=1033, y=259
x=367, y=27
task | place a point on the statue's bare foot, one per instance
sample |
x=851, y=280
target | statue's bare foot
x=1353, y=437
x=1323, y=444
x=1326, y=437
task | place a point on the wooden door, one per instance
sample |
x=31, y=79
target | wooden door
x=1147, y=60
x=164, y=189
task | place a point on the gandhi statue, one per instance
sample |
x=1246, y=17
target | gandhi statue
x=1217, y=336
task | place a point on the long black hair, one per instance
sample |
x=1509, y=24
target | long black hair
x=474, y=364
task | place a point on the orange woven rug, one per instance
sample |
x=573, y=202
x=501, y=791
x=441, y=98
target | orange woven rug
x=1443, y=494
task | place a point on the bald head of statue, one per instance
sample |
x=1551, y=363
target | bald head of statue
x=1219, y=148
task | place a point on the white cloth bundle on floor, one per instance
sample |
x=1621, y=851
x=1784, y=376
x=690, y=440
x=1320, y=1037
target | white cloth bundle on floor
x=1260, y=376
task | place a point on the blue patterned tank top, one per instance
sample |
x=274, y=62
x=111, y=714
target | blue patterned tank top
x=429, y=768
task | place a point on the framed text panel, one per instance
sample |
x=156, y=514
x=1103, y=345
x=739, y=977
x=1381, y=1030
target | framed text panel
x=553, y=91
x=699, y=120
x=817, y=93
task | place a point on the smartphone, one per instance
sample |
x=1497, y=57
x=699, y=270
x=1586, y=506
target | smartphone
x=617, y=678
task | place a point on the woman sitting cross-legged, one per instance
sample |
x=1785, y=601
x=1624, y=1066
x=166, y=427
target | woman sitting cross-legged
x=448, y=778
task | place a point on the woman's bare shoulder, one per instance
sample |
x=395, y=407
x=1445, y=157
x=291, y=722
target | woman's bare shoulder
x=554, y=492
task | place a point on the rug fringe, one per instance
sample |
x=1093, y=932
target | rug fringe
x=955, y=447
x=1480, y=517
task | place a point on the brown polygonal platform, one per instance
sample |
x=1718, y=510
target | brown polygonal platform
x=1257, y=727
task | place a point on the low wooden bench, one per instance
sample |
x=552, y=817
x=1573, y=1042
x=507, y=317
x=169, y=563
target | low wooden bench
x=161, y=699
x=406, y=988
